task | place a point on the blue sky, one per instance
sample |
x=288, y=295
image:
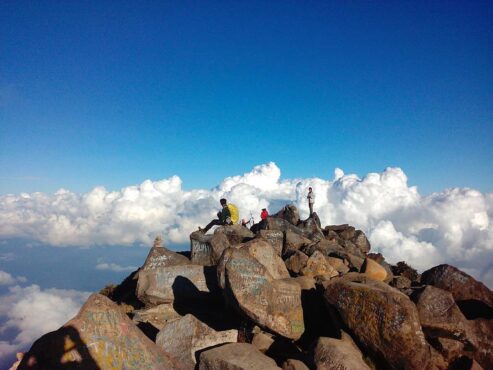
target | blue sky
x=112, y=93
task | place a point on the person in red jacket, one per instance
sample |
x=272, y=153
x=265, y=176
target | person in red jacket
x=264, y=214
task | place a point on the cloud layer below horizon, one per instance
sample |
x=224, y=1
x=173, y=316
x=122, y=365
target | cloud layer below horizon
x=452, y=226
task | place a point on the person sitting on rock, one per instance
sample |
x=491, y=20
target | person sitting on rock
x=224, y=216
x=264, y=214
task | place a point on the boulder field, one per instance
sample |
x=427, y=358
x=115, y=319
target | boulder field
x=286, y=293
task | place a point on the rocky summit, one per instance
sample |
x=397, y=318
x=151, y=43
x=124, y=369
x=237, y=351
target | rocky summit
x=286, y=293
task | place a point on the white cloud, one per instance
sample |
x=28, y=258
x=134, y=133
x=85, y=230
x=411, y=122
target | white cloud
x=452, y=226
x=114, y=267
x=31, y=312
x=8, y=279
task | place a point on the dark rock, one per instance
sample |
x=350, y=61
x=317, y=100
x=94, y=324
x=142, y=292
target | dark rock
x=201, y=249
x=293, y=364
x=294, y=242
x=383, y=319
x=348, y=233
x=400, y=282
x=236, y=234
x=361, y=242
x=472, y=296
x=101, y=336
x=157, y=316
x=403, y=269
x=275, y=238
x=336, y=228
x=235, y=356
x=482, y=330
x=289, y=213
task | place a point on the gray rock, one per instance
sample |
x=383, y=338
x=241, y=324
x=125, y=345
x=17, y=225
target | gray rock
x=200, y=249
x=289, y=213
x=236, y=234
x=185, y=336
x=235, y=356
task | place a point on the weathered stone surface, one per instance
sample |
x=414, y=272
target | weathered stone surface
x=440, y=316
x=219, y=243
x=157, y=316
x=338, y=354
x=161, y=285
x=185, y=336
x=450, y=349
x=383, y=319
x=235, y=356
x=274, y=304
x=336, y=228
x=348, y=233
x=373, y=270
x=201, y=249
x=482, y=330
x=294, y=242
x=264, y=253
x=338, y=264
x=276, y=223
x=361, y=241
x=101, y=336
x=317, y=265
x=262, y=340
x=236, y=234
x=311, y=229
x=305, y=282
x=275, y=238
x=296, y=262
x=293, y=364
x=327, y=247
x=400, y=282
x=161, y=257
x=462, y=286
x=403, y=269
x=289, y=213
x=355, y=261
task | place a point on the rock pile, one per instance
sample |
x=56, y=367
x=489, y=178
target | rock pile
x=286, y=293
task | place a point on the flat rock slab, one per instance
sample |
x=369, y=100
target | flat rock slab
x=184, y=337
x=236, y=356
x=201, y=249
x=264, y=253
x=165, y=284
x=157, y=316
x=236, y=234
x=101, y=336
x=383, y=319
x=338, y=354
x=275, y=238
x=274, y=304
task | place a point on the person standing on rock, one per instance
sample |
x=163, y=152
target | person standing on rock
x=227, y=216
x=311, y=200
x=264, y=214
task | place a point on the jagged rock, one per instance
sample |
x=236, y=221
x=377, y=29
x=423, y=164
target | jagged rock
x=383, y=319
x=355, y=261
x=400, y=282
x=219, y=243
x=161, y=257
x=157, y=316
x=338, y=354
x=185, y=336
x=317, y=265
x=462, y=286
x=293, y=364
x=351, y=248
x=163, y=284
x=348, y=233
x=311, y=229
x=289, y=213
x=336, y=228
x=294, y=242
x=236, y=234
x=276, y=223
x=101, y=336
x=482, y=330
x=235, y=356
x=361, y=241
x=338, y=264
x=373, y=270
x=274, y=304
x=327, y=247
x=440, y=316
x=296, y=262
x=275, y=238
x=262, y=340
x=450, y=349
x=305, y=282
x=403, y=269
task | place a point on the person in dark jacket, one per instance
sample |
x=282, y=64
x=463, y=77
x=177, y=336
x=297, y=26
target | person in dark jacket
x=223, y=217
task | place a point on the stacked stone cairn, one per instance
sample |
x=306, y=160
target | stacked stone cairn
x=286, y=293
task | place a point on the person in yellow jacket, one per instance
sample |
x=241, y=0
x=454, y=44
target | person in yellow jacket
x=227, y=216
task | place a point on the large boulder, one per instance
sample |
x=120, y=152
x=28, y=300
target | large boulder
x=482, y=330
x=264, y=253
x=296, y=262
x=201, y=249
x=294, y=242
x=157, y=316
x=338, y=354
x=186, y=336
x=251, y=288
x=101, y=336
x=235, y=356
x=275, y=238
x=160, y=256
x=164, y=284
x=440, y=316
x=383, y=319
x=463, y=287
x=276, y=223
x=318, y=265
x=373, y=270
x=311, y=229
x=289, y=213
x=236, y=234
x=361, y=241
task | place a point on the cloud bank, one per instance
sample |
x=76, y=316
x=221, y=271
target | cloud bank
x=452, y=226
x=31, y=312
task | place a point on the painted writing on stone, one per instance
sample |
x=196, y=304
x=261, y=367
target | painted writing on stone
x=157, y=261
x=251, y=275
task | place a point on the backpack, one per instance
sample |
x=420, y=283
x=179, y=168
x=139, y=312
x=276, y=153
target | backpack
x=235, y=215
